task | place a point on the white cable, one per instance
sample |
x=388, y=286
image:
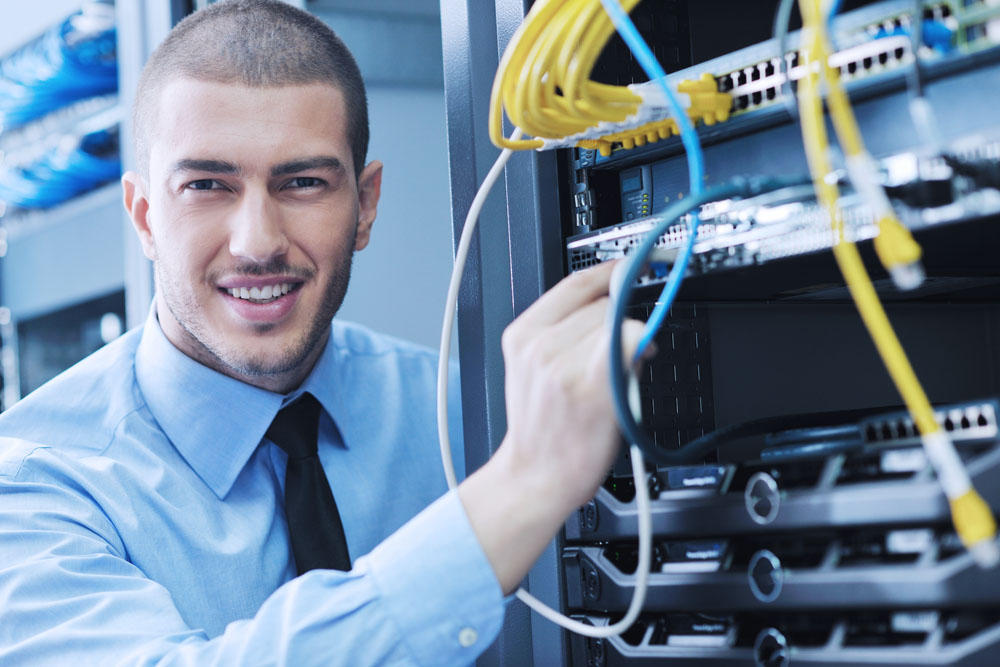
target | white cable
x=638, y=466
x=451, y=303
x=641, y=572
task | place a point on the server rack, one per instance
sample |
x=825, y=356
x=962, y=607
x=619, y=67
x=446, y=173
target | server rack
x=67, y=235
x=760, y=339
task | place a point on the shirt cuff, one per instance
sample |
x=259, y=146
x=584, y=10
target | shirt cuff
x=438, y=585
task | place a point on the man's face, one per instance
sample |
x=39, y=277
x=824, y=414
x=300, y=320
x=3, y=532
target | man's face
x=251, y=214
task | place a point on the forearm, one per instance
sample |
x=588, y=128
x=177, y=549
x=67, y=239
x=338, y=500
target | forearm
x=69, y=598
x=514, y=512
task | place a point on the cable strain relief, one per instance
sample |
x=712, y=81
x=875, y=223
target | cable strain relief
x=986, y=553
x=907, y=276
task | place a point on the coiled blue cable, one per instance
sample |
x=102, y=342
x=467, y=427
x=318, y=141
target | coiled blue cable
x=62, y=172
x=696, y=162
x=71, y=61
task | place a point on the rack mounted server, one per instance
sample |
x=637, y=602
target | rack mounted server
x=827, y=545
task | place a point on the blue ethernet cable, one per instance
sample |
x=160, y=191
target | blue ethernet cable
x=832, y=11
x=696, y=163
x=71, y=61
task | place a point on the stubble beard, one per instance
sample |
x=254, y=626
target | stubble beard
x=210, y=347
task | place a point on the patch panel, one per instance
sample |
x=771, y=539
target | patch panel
x=873, y=50
x=789, y=223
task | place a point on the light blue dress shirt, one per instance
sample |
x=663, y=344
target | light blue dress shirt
x=142, y=518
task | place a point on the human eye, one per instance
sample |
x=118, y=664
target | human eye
x=203, y=184
x=304, y=182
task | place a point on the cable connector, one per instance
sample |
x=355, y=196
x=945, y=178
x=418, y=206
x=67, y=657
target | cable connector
x=976, y=527
x=707, y=103
x=895, y=246
x=971, y=516
x=700, y=99
x=899, y=253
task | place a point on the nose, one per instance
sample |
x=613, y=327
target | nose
x=257, y=231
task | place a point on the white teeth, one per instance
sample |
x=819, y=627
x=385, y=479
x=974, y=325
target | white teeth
x=264, y=294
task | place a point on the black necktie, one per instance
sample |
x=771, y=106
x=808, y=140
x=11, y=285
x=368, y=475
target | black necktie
x=314, y=526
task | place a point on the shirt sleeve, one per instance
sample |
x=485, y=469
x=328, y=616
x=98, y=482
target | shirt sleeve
x=69, y=595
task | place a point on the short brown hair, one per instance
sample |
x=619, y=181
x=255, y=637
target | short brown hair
x=256, y=43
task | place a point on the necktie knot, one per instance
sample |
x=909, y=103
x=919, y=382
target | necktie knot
x=296, y=426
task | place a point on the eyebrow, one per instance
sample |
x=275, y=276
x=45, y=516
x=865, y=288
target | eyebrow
x=211, y=166
x=283, y=169
x=306, y=164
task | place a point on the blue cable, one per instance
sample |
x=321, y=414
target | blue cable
x=696, y=162
x=71, y=61
x=834, y=10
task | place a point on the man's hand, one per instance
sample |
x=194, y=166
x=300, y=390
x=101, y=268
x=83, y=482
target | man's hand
x=561, y=431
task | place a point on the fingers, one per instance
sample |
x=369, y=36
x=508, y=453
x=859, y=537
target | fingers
x=632, y=331
x=568, y=296
x=578, y=324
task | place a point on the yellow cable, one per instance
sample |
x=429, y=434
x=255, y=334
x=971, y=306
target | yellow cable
x=971, y=515
x=543, y=80
x=895, y=246
x=543, y=83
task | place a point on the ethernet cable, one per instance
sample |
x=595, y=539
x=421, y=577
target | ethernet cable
x=972, y=517
x=781, y=18
x=696, y=163
x=543, y=85
x=73, y=60
x=921, y=111
x=894, y=245
x=636, y=262
x=644, y=513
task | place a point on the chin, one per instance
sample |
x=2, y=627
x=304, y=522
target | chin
x=266, y=361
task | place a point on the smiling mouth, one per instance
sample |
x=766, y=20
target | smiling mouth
x=261, y=295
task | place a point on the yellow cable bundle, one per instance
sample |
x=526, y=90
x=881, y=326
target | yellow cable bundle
x=543, y=81
x=543, y=84
x=971, y=515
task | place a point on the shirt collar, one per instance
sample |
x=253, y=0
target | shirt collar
x=215, y=421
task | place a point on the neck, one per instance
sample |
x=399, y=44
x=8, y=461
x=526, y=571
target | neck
x=280, y=381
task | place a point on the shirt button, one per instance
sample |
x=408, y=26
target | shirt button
x=467, y=637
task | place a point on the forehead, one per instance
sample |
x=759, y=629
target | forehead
x=251, y=127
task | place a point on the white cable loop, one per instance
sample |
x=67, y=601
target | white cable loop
x=638, y=466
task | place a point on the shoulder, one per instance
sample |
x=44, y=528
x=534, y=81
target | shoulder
x=357, y=340
x=80, y=409
x=384, y=364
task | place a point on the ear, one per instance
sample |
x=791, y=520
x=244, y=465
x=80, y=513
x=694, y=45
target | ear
x=136, y=200
x=369, y=190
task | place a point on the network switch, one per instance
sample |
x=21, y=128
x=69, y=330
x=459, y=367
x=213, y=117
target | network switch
x=903, y=637
x=874, y=473
x=787, y=222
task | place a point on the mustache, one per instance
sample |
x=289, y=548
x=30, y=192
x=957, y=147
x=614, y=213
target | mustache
x=272, y=267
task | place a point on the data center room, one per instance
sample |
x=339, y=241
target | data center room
x=797, y=200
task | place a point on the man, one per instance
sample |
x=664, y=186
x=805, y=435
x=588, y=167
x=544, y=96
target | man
x=147, y=507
